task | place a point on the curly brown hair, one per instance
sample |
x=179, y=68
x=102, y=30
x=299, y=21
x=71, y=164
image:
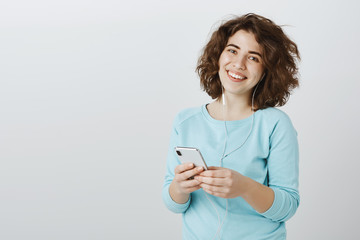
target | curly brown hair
x=280, y=56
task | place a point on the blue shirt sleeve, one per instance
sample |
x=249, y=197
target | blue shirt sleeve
x=172, y=162
x=283, y=170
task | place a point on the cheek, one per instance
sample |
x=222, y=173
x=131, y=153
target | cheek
x=257, y=71
x=223, y=60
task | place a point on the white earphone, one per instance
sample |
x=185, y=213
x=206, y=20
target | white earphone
x=224, y=156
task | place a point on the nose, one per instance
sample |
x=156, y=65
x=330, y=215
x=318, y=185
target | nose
x=239, y=62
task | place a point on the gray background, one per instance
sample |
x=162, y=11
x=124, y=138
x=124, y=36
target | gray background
x=88, y=92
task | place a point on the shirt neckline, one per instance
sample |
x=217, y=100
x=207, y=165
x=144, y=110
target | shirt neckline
x=218, y=122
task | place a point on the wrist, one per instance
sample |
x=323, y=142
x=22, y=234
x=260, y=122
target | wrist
x=177, y=195
x=259, y=196
x=246, y=188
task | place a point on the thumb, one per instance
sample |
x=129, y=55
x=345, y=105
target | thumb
x=214, y=168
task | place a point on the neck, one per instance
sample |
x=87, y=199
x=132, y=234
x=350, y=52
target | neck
x=236, y=103
x=236, y=108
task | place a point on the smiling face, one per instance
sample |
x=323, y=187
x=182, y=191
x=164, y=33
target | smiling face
x=241, y=64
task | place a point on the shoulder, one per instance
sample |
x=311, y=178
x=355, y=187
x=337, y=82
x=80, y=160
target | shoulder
x=275, y=118
x=274, y=114
x=186, y=115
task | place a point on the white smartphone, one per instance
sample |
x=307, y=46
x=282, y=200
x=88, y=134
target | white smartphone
x=193, y=155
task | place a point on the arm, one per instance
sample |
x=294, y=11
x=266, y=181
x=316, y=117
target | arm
x=278, y=200
x=177, y=185
x=227, y=183
x=283, y=170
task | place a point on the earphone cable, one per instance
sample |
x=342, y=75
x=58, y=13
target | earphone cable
x=251, y=127
x=224, y=156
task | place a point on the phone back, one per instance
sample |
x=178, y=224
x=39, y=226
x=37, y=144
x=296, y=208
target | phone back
x=192, y=155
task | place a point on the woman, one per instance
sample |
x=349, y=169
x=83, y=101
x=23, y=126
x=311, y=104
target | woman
x=251, y=189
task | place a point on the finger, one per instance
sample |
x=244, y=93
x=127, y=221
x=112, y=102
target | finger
x=219, y=173
x=213, y=189
x=211, y=180
x=222, y=195
x=190, y=183
x=183, y=167
x=193, y=189
x=190, y=173
x=215, y=168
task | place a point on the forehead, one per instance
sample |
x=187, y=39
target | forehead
x=245, y=40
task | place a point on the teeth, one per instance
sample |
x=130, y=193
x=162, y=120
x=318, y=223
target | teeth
x=236, y=76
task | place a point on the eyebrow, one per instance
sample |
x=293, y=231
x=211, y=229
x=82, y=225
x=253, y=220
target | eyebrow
x=237, y=47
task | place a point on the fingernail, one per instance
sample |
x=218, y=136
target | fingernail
x=199, y=168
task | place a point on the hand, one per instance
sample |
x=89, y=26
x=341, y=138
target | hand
x=222, y=182
x=183, y=177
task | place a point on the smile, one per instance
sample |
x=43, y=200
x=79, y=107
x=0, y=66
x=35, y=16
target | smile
x=235, y=77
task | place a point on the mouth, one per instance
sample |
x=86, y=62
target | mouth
x=236, y=77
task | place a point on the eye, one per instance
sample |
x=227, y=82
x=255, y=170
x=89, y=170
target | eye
x=255, y=59
x=232, y=51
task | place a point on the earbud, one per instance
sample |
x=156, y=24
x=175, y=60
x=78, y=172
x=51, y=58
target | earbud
x=262, y=77
x=223, y=99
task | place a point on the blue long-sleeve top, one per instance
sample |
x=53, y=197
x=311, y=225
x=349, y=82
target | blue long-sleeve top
x=270, y=156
